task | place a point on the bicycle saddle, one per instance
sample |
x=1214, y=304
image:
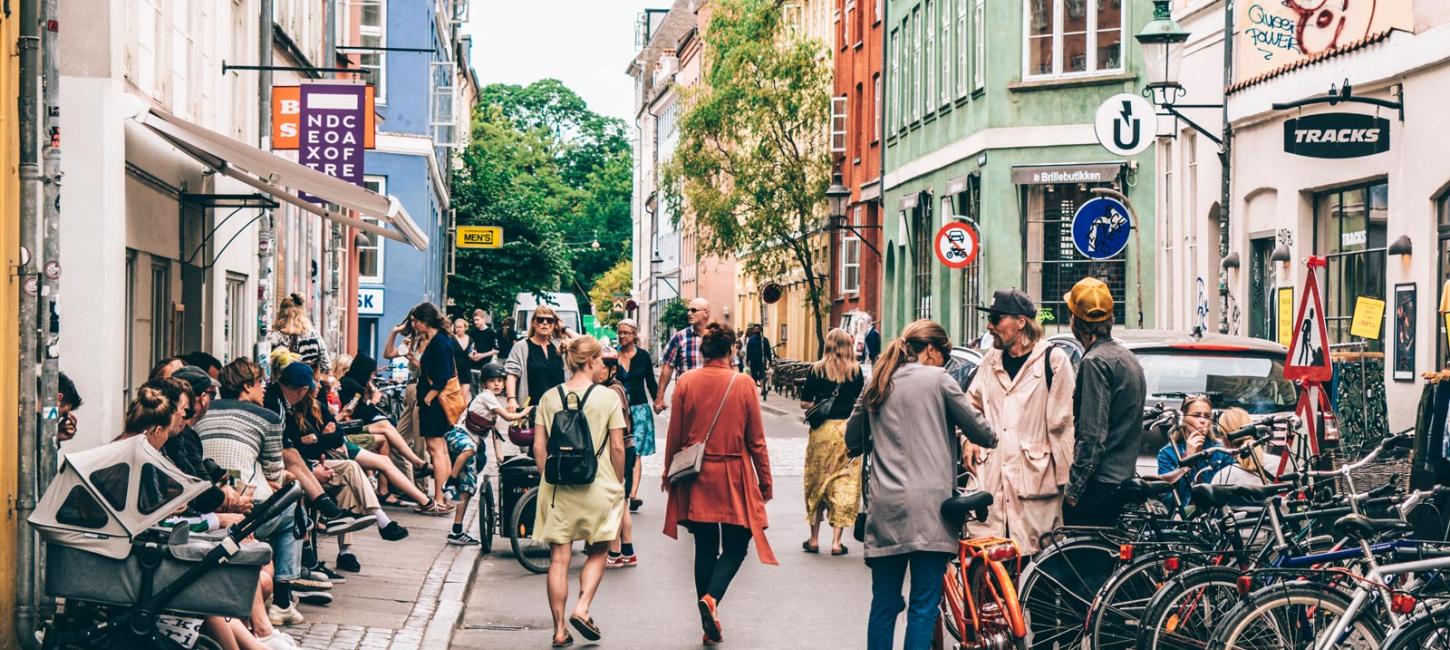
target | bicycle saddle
x=1137, y=489
x=1362, y=527
x=956, y=509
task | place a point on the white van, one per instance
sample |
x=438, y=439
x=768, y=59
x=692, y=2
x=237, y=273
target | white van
x=564, y=304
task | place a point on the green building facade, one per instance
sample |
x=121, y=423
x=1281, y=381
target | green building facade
x=989, y=116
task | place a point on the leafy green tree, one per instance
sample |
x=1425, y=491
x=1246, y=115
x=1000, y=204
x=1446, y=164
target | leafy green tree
x=615, y=282
x=674, y=316
x=752, y=164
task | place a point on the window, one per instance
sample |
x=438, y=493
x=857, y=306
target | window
x=894, y=78
x=923, y=258
x=1443, y=208
x=929, y=64
x=370, y=18
x=838, y=124
x=147, y=16
x=181, y=57
x=1053, y=263
x=880, y=11
x=442, y=119
x=858, y=124
x=968, y=204
x=851, y=256
x=916, y=64
x=853, y=27
x=1263, y=321
x=879, y=116
x=160, y=309
x=963, y=74
x=1067, y=37
x=236, y=317
x=946, y=50
x=1350, y=228
x=979, y=45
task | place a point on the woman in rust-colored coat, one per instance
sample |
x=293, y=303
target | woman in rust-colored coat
x=724, y=505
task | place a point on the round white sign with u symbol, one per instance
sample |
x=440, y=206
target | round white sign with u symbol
x=1126, y=124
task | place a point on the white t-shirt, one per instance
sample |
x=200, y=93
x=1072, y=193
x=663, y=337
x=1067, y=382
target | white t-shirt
x=487, y=404
x=1236, y=475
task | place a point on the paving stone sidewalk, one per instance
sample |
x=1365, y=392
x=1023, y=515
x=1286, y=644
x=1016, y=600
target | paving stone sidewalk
x=408, y=595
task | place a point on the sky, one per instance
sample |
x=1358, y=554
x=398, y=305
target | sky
x=587, y=44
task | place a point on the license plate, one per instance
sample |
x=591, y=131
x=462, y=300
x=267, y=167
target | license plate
x=184, y=632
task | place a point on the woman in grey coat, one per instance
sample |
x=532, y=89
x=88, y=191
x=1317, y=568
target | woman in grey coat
x=911, y=412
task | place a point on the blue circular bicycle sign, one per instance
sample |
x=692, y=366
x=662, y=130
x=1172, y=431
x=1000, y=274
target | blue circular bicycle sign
x=1100, y=228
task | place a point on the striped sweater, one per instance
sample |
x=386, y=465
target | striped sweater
x=243, y=437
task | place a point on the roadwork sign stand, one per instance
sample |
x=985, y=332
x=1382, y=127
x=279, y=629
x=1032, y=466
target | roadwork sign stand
x=1310, y=368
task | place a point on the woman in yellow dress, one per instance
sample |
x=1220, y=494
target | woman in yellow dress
x=832, y=481
x=591, y=512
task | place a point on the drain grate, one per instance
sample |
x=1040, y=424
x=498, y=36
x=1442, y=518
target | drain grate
x=495, y=627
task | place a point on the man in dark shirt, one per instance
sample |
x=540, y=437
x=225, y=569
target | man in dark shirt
x=757, y=356
x=483, y=339
x=872, y=344
x=1107, y=409
x=184, y=449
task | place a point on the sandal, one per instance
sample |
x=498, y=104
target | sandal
x=586, y=627
x=422, y=471
x=806, y=546
x=434, y=509
x=568, y=641
x=842, y=551
x=390, y=500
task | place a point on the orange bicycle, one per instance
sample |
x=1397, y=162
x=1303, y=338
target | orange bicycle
x=979, y=607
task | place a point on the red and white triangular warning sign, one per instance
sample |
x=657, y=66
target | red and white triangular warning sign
x=1309, y=351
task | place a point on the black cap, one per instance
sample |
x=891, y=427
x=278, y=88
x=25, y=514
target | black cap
x=1011, y=302
x=195, y=377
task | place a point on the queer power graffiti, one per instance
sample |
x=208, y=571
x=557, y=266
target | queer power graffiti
x=1276, y=33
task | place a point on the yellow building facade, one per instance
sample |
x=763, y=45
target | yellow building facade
x=9, y=327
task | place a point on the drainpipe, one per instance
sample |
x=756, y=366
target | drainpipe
x=1225, y=157
x=265, y=226
x=31, y=181
x=50, y=277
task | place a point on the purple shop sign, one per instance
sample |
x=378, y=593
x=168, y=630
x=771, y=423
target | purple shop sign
x=332, y=131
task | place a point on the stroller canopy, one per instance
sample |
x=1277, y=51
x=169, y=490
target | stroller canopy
x=103, y=497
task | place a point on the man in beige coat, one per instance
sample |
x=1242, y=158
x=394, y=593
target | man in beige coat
x=1024, y=388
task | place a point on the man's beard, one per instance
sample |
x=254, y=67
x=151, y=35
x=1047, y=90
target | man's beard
x=1002, y=343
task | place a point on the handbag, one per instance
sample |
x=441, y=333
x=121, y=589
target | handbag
x=819, y=412
x=688, y=461
x=452, y=401
x=858, y=432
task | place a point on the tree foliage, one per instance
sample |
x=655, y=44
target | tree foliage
x=616, y=281
x=557, y=176
x=751, y=169
x=674, y=316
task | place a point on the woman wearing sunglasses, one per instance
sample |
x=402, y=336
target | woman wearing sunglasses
x=1192, y=435
x=534, y=366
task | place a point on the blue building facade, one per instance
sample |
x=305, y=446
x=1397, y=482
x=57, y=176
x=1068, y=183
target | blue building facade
x=423, y=100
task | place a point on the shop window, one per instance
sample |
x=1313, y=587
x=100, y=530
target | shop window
x=80, y=509
x=1350, y=226
x=157, y=489
x=1053, y=262
x=1263, y=312
x=113, y=483
x=1071, y=37
x=923, y=258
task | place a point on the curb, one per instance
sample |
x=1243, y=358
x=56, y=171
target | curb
x=773, y=410
x=448, y=608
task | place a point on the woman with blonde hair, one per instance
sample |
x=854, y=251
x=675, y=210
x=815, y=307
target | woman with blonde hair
x=292, y=329
x=906, y=421
x=1251, y=468
x=590, y=512
x=534, y=365
x=832, y=480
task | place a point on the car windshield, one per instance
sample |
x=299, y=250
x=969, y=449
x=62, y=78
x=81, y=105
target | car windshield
x=1254, y=383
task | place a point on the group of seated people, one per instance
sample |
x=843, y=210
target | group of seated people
x=1230, y=462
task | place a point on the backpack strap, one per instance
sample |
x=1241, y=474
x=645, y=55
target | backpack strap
x=1047, y=366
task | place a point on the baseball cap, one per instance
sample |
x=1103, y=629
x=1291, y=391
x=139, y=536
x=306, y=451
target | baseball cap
x=296, y=375
x=1090, y=300
x=1011, y=302
x=195, y=377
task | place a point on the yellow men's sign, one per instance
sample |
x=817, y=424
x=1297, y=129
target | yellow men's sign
x=1276, y=33
x=480, y=237
x=1369, y=314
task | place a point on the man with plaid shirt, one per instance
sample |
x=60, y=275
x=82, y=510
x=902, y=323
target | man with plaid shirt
x=682, y=353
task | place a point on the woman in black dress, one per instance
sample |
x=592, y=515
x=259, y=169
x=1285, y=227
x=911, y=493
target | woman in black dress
x=534, y=365
x=462, y=361
x=437, y=367
x=637, y=373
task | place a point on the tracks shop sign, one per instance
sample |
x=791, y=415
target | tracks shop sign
x=1336, y=135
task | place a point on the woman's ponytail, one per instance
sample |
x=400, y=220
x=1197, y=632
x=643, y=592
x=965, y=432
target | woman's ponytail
x=914, y=339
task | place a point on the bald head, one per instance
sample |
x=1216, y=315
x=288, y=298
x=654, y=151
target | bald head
x=699, y=313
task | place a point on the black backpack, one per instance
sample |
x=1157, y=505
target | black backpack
x=572, y=459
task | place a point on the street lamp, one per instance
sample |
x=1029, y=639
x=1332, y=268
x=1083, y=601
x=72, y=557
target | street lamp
x=1162, y=42
x=837, y=196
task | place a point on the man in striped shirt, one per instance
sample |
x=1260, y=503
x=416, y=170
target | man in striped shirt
x=682, y=353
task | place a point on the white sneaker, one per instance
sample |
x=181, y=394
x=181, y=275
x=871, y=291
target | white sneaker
x=288, y=616
x=279, y=641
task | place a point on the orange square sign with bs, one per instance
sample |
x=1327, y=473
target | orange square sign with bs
x=287, y=118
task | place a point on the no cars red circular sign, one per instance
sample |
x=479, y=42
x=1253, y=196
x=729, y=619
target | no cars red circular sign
x=957, y=245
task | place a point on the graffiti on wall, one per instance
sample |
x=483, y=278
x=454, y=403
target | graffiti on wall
x=1276, y=33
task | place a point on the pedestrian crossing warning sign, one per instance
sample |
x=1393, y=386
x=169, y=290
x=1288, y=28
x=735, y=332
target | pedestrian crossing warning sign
x=1309, y=352
x=480, y=237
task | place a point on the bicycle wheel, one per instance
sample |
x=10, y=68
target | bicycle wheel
x=1058, y=588
x=487, y=516
x=533, y=555
x=1426, y=631
x=1117, y=610
x=1291, y=616
x=1185, y=610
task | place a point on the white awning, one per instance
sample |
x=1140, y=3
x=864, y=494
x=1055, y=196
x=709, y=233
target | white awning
x=283, y=179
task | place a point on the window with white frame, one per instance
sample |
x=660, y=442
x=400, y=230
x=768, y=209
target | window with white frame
x=894, y=78
x=929, y=64
x=181, y=57
x=146, y=15
x=916, y=64
x=946, y=50
x=838, y=124
x=370, y=255
x=851, y=256
x=963, y=72
x=793, y=17
x=235, y=335
x=445, y=126
x=979, y=45
x=880, y=11
x=370, y=19
x=879, y=116
x=1072, y=37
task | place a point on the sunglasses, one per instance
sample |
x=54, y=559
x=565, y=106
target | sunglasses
x=694, y=309
x=546, y=320
x=995, y=318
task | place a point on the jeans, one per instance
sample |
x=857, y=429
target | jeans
x=887, y=576
x=1099, y=505
x=281, y=534
x=715, y=566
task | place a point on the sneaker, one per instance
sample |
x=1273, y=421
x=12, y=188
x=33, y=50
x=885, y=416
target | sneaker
x=392, y=532
x=614, y=561
x=318, y=576
x=348, y=562
x=313, y=597
x=628, y=560
x=288, y=616
x=462, y=539
x=332, y=576
x=634, y=504
x=311, y=581
x=278, y=641
x=347, y=523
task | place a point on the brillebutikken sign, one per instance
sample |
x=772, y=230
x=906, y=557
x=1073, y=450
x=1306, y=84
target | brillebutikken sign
x=1336, y=135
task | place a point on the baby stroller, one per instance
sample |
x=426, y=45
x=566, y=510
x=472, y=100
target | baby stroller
x=124, y=581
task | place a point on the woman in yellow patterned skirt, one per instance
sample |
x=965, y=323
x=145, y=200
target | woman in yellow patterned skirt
x=832, y=481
